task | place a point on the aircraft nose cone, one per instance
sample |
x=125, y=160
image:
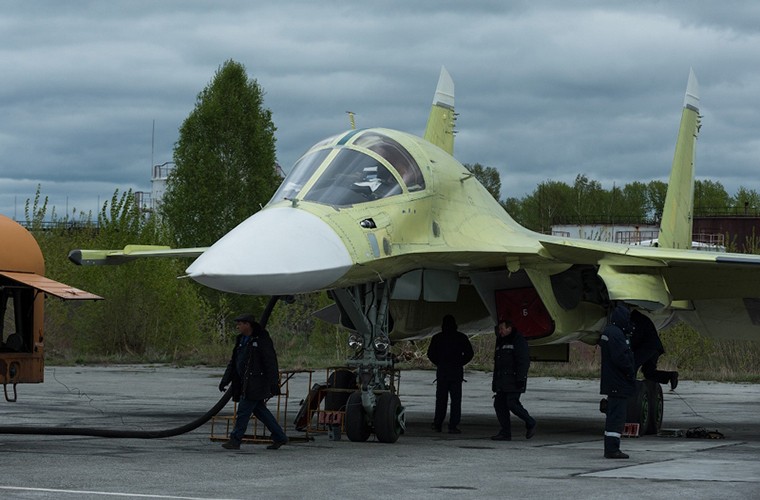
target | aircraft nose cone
x=278, y=251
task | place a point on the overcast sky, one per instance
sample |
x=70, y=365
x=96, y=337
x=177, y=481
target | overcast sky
x=544, y=89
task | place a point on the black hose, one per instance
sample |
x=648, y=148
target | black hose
x=111, y=433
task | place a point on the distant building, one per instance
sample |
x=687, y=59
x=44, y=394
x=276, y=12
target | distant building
x=732, y=229
x=629, y=234
x=740, y=232
x=704, y=237
x=143, y=201
x=158, y=183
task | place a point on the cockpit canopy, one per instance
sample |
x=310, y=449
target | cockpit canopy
x=350, y=168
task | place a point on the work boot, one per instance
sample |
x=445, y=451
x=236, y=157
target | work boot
x=612, y=447
x=435, y=427
x=276, y=445
x=673, y=380
x=530, y=431
x=231, y=445
x=501, y=437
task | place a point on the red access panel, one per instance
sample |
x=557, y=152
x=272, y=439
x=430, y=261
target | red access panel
x=526, y=310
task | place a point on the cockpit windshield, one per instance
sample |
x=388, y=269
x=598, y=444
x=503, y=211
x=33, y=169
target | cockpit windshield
x=353, y=177
x=396, y=155
x=354, y=174
x=299, y=174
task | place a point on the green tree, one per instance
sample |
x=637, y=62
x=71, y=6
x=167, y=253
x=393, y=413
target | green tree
x=589, y=200
x=514, y=207
x=656, y=191
x=488, y=176
x=635, y=201
x=710, y=197
x=546, y=205
x=225, y=160
x=225, y=171
x=746, y=201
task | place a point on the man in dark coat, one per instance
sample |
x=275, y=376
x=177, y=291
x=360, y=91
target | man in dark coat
x=449, y=351
x=618, y=379
x=255, y=377
x=510, y=375
x=647, y=348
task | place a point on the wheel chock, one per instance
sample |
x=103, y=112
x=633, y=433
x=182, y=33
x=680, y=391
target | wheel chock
x=631, y=430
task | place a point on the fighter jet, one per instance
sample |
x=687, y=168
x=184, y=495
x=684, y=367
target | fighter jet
x=400, y=233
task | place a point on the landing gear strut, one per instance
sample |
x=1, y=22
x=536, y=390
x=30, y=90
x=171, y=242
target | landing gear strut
x=375, y=406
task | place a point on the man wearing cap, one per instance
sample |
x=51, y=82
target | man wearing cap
x=254, y=375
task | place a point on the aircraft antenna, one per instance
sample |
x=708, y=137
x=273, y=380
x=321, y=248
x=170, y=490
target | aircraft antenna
x=152, y=143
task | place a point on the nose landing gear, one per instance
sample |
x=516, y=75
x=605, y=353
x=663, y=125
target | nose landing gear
x=375, y=407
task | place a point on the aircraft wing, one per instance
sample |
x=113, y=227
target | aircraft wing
x=130, y=252
x=686, y=274
x=588, y=252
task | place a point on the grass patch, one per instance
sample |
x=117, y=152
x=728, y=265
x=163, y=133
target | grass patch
x=694, y=356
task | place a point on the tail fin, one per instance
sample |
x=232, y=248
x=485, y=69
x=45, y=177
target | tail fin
x=440, y=125
x=676, y=224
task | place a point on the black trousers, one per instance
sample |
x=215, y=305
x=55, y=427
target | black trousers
x=506, y=402
x=443, y=389
x=650, y=371
x=615, y=423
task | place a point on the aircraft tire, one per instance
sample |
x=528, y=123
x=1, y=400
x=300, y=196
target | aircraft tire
x=638, y=408
x=357, y=428
x=656, y=406
x=387, y=412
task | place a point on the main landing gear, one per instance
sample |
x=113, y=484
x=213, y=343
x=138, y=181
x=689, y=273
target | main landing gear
x=375, y=407
x=646, y=407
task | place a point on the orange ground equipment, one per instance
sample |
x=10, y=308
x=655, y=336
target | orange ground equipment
x=23, y=287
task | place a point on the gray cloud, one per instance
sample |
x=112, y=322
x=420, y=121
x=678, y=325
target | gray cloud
x=545, y=90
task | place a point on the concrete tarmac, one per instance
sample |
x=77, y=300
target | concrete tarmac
x=564, y=459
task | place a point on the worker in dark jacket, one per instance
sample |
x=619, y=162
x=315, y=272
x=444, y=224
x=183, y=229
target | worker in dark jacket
x=647, y=348
x=449, y=351
x=255, y=377
x=618, y=379
x=510, y=375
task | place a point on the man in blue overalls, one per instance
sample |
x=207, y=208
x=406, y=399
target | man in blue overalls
x=255, y=377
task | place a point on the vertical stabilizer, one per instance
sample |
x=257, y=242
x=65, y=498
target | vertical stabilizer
x=676, y=224
x=440, y=125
